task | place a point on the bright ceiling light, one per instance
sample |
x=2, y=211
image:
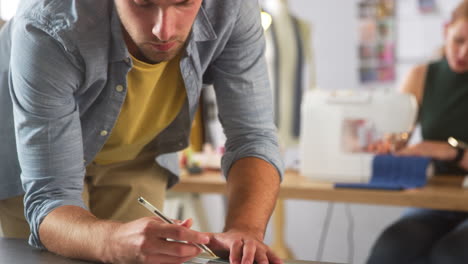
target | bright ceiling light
x=266, y=20
x=8, y=8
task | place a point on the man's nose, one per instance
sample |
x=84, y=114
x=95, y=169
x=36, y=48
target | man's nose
x=164, y=27
x=463, y=51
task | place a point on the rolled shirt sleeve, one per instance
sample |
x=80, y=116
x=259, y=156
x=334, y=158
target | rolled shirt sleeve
x=243, y=93
x=43, y=80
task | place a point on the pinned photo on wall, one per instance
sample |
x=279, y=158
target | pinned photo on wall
x=427, y=6
x=376, y=41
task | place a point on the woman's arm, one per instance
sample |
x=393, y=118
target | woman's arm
x=414, y=82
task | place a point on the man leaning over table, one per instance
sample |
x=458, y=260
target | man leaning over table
x=97, y=91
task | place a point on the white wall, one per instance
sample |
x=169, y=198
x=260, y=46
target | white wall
x=334, y=27
x=335, y=37
x=420, y=36
x=306, y=220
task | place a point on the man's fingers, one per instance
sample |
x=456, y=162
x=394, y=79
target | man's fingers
x=187, y=223
x=176, y=221
x=273, y=258
x=182, y=233
x=261, y=256
x=172, y=248
x=235, y=255
x=248, y=251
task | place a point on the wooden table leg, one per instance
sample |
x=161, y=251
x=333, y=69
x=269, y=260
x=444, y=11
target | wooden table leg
x=279, y=245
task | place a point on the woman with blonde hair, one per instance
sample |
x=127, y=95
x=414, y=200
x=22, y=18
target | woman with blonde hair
x=441, y=89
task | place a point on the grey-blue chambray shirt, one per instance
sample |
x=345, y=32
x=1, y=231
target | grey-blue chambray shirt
x=63, y=69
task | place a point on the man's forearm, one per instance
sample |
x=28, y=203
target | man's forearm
x=73, y=232
x=253, y=186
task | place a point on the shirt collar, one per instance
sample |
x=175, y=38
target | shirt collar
x=119, y=51
x=202, y=29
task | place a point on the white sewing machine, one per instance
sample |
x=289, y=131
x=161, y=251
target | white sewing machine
x=336, y=126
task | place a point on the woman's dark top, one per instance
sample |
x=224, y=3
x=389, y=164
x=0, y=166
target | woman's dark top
x=444, y=108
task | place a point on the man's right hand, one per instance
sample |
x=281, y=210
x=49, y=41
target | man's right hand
x=145, y=241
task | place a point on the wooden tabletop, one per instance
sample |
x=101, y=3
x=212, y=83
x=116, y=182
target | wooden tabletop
x=441, y=192
x=14, y=250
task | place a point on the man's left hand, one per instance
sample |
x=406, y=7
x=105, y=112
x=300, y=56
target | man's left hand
x=242, y=248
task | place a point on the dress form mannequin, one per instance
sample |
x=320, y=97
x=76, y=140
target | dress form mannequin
x=288, y=58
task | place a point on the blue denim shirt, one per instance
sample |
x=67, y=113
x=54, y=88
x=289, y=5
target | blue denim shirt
x=61, y=62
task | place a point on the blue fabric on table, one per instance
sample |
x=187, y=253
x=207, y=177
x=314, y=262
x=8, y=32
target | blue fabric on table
x=394, y=173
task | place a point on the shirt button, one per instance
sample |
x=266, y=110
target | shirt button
x=128, y=60
x=104, y=133
x=119, y=88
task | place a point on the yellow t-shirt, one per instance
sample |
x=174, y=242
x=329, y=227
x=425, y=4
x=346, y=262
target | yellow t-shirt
x=155, y=96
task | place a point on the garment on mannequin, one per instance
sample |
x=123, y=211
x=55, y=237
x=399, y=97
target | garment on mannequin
x=288, y=58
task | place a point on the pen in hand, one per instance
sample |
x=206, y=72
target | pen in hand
x=158, y=213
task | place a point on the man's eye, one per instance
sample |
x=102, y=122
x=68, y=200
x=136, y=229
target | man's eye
x=184, y=3
x=142, y=2
x=459, y=40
